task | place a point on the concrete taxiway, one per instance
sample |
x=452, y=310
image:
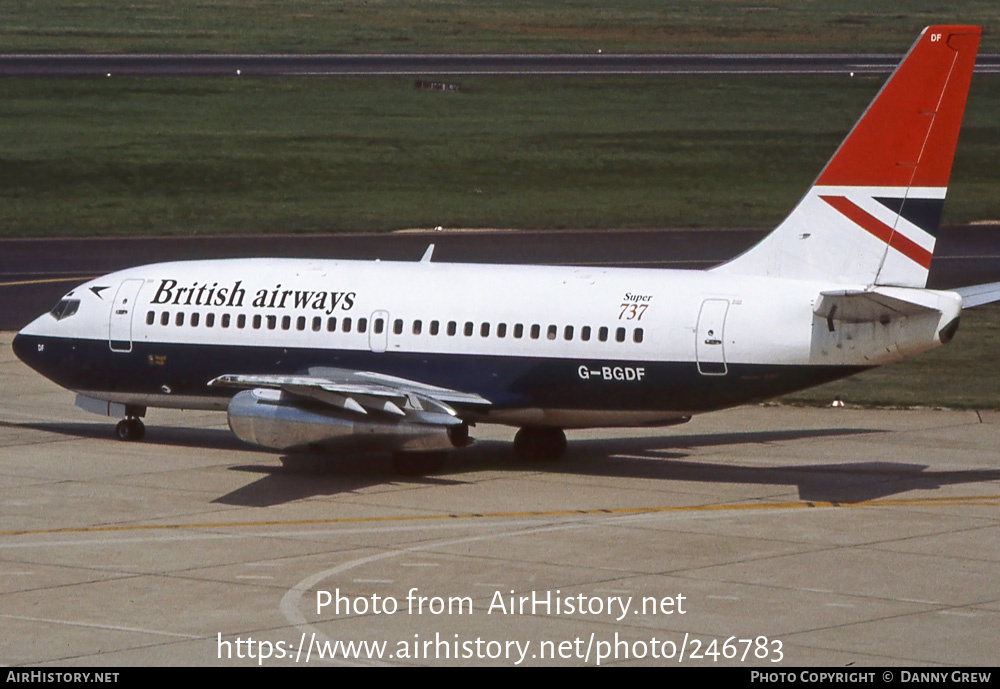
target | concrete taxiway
x=800, y=536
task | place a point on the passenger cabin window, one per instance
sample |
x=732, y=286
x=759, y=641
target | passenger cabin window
x=68, y=307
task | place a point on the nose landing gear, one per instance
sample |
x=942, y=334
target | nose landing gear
x=130, y=429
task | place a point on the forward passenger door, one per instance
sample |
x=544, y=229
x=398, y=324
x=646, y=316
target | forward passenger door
x=120, y=323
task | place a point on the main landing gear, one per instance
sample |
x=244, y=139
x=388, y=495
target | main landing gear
x=539, y=443
x=418, y=463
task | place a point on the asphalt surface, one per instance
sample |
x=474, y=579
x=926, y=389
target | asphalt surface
x=35, y=273
x=180, y=65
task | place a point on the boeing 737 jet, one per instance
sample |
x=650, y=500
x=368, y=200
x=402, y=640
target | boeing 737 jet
x=406, y=356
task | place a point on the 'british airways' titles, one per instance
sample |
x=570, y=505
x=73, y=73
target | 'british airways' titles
x=204, y=294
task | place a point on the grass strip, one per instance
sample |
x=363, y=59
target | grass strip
x=187, y=156
x=358, y=26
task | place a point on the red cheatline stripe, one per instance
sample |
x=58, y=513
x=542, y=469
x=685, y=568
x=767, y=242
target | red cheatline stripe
x=869, y=222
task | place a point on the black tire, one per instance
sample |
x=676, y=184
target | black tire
x=539, y=444
x=130, y=430
x=459, y=435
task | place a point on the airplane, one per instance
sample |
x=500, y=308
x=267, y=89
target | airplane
x=338, y=355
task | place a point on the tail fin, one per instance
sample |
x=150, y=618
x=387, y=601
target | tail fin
x=872, y=215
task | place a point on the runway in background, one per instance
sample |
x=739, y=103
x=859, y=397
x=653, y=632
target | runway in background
x=182, y=65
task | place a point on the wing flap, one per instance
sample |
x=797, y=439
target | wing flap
x=387, y=383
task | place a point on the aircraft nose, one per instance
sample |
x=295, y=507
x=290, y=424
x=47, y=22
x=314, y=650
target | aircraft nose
x=29, y=342
x=26, y=348
x=19, y=345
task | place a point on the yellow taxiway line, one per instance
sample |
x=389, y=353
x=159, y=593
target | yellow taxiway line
x=969, y=500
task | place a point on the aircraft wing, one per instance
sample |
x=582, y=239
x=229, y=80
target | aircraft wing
x=977, y=295
x=364, y=392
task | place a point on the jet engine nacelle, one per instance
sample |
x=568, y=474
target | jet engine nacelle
x=271, y=419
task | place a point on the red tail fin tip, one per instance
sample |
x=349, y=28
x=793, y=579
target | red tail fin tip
x=872, y=215
x=908, y=135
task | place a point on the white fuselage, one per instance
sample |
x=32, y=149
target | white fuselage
x=563, y=346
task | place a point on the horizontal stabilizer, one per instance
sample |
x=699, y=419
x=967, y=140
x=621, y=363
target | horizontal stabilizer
x=857, y=306
x=977, y=295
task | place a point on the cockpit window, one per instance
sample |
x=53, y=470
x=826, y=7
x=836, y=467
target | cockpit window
x=65, y=308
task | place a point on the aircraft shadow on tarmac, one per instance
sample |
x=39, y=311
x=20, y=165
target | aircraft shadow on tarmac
x=195, y=438
x=655, y=459
x=659, y=458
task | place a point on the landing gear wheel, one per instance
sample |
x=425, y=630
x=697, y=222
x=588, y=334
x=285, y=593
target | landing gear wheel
x=539, y=444
x=418, y=463
x=130, y=430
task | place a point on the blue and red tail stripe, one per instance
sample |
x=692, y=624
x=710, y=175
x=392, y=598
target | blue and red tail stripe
x=879, y=229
